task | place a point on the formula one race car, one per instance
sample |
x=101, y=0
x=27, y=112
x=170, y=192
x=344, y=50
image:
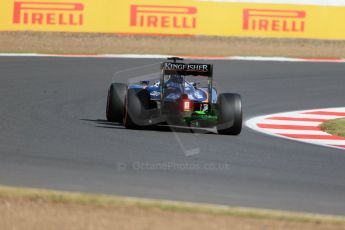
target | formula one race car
x=175, y=100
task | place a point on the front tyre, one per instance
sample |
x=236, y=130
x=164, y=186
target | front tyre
x=115, y=102
x=230, y=114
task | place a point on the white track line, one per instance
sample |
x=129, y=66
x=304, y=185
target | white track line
x=311, y=116
x=158, y=56
x=288, y=125
x=289, y=131
x=267, y=121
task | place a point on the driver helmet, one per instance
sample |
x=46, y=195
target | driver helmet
x=175, y=78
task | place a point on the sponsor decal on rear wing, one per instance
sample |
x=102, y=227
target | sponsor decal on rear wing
x=187, y=69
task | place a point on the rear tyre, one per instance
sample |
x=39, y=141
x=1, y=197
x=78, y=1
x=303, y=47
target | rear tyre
x=135, y=105
x=230, y=114
x=115, y=102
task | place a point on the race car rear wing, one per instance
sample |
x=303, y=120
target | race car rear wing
x=169, y=68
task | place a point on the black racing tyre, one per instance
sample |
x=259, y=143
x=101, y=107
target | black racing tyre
x=135, y=105
x=230, y=114
x=116, y=102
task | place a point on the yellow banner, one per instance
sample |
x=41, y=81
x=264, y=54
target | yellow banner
x=166, y=17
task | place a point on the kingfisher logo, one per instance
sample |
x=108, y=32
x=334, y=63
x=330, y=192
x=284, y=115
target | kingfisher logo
x=185, y=67
x=175, y=17
x=274, y=20
x=48, y=13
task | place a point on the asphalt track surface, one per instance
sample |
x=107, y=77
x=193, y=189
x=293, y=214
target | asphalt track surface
x=53, y=134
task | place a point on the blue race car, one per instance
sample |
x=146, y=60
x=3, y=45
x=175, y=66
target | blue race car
x=175, y=100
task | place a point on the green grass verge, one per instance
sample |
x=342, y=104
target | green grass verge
x=172, y=206
x=335, y=127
